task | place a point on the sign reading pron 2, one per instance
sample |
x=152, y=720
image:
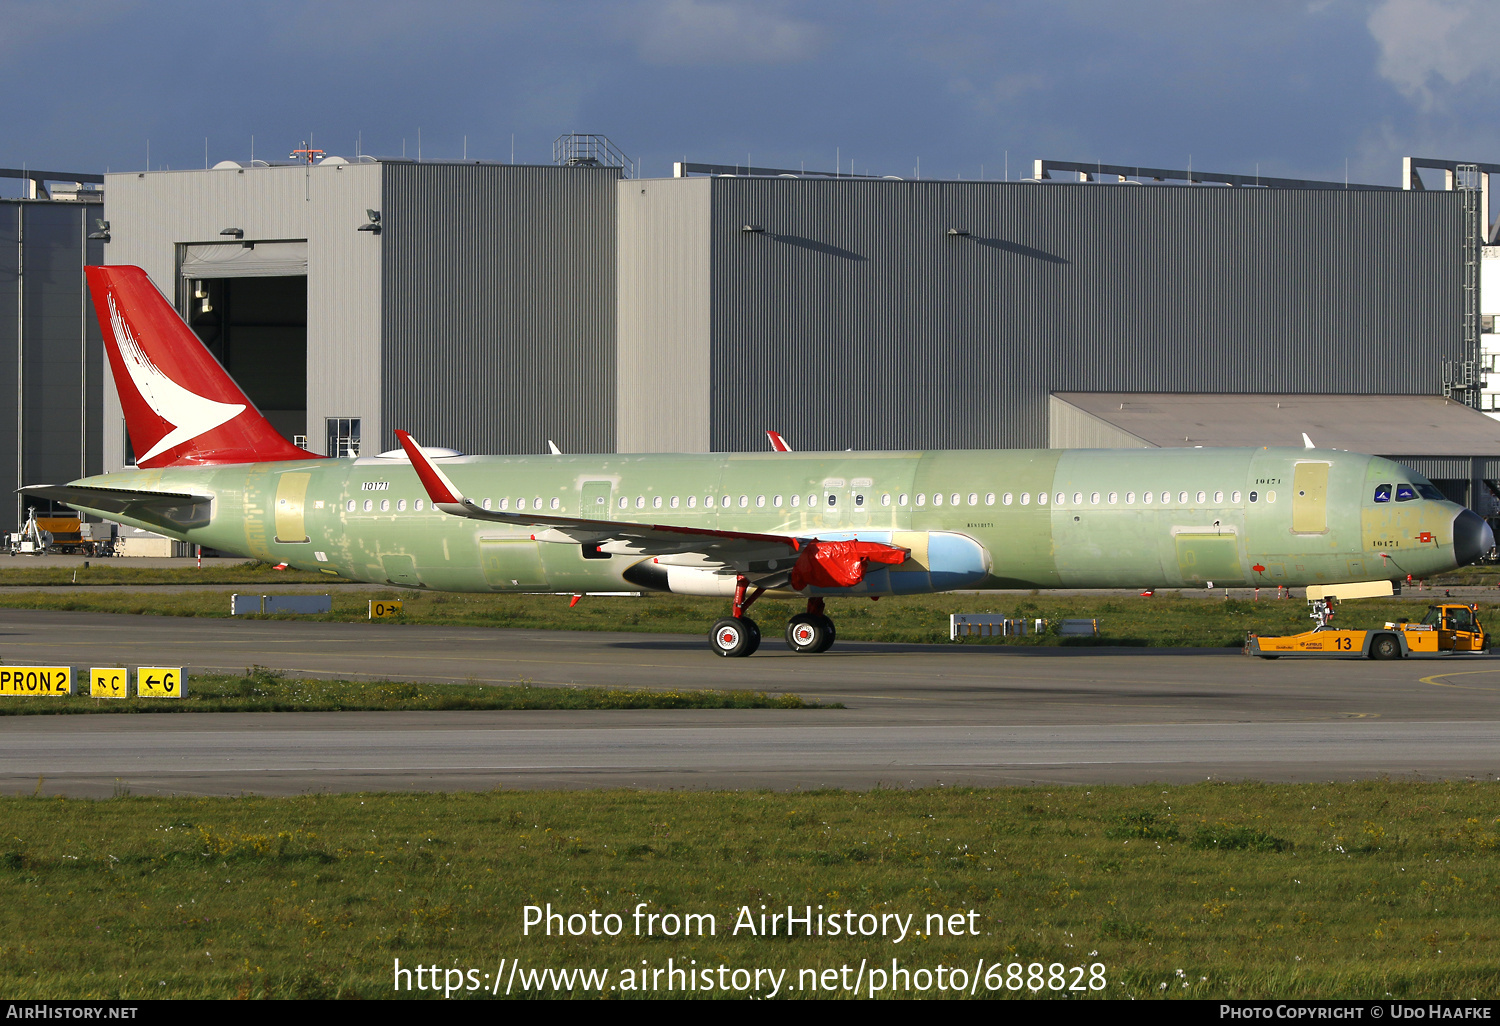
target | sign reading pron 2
x=35, y=681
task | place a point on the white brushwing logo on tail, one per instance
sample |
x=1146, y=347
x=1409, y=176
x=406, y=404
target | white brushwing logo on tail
x=189, y=414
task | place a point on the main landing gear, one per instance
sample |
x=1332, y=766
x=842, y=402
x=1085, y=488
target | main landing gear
x=810, y=631
x=738, y=635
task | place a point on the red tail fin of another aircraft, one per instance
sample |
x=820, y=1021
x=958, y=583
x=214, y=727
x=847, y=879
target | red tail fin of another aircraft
x=181, y=408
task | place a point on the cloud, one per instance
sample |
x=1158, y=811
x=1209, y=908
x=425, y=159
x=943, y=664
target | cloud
x=697, y=32
x=1426, y=45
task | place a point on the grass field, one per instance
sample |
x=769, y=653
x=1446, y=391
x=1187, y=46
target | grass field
x=21, y=572
x=1168, y=619
x=1247, y=891
x=261, y=690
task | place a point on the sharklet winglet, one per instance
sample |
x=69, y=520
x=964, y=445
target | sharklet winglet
x=440, y=490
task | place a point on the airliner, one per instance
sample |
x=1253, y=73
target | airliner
x=819, y=525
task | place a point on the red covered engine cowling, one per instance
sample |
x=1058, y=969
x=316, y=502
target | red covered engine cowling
x=841, y=564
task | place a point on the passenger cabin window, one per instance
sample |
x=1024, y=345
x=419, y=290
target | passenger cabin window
x=1041, y=498
x=1405, y=492
x=1382, y=493
x=833, y=500
x=417, y=505
x=1025, y=498
x=859, y=500
x=922, y=499
x=1005, y=499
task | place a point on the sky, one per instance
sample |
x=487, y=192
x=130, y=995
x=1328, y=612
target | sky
x=966, y=89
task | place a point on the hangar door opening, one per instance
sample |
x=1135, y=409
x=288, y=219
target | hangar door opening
x=247, y=301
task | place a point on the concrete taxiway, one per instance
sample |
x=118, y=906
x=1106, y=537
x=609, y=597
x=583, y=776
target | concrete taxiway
x=915, y=715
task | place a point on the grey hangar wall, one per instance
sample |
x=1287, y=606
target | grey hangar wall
x=500, y=306
x=850, y=317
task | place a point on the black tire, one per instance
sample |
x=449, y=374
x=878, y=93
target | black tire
x=830, y=635
x=804, y=633
x=1385, y=646
x=754, y=629
x=734, y=637
x=1270, y=657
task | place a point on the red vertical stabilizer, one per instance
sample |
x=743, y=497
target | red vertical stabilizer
x=181, y=408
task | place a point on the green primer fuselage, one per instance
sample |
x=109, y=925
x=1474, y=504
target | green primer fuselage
x=1236, y=517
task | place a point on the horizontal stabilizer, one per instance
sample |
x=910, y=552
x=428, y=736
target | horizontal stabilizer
x=172, y=510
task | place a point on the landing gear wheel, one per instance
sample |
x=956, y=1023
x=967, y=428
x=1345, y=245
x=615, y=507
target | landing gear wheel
x=830, y=634
x=809, y=632
x=735, y=636
x=1385, y=646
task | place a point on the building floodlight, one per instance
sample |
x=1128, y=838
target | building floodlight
x=238, y=233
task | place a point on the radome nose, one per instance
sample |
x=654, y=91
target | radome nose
x=1472, y=537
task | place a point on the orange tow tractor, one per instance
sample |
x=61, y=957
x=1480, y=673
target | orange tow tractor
x=1449, y=627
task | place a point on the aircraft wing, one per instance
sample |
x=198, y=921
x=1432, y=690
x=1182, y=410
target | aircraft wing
x=728, y=552
x=172, y=510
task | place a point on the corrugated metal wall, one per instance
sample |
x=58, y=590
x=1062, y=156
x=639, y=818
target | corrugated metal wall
x=53, y=421
x=854, y=320
x=499, y=306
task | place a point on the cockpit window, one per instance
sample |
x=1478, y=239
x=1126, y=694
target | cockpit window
x=1428, y=491
x=1405, y=492
x=1382, y=493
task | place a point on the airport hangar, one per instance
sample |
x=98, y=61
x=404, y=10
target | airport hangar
x=494, y=307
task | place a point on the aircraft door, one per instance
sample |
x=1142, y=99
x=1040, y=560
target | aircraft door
x=593, y=499
x=291, y=499
x=1310, y=498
